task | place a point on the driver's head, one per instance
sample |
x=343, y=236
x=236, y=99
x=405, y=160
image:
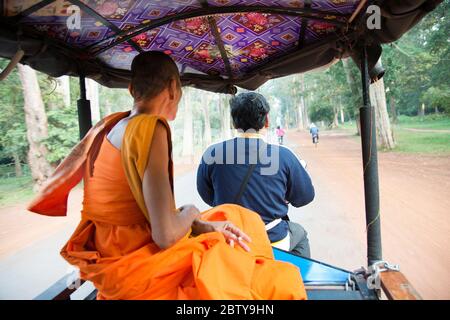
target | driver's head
x=249, y=111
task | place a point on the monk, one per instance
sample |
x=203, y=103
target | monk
x=132, y=242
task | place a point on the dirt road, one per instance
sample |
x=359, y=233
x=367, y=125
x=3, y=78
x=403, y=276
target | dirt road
x=415, y=209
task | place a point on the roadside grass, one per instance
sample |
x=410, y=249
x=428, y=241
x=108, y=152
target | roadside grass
x=15, y=190
x=422, y=142
x=435, y=143
x=431, y=122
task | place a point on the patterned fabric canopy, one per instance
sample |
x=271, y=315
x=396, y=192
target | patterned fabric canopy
x=248, y=38
x=216, y=43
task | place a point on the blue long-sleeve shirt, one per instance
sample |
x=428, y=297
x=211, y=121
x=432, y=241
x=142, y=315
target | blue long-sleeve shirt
x=278, y=179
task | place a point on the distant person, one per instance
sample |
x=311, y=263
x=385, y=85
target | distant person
x=280, y=134
x=260, y=176
x=314, y=131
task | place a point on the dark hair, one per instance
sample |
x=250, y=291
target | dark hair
x=249, y=111
x=151, y=73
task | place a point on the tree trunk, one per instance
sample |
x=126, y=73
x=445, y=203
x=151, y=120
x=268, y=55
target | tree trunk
x=36, y=122
x=378, y=100
x=303, y=105
x=92, y=95
x=225, y=117
x=297, y=103
x=421, y=112
x=107, y=108
x=336, y=117
x=393, y=110
x=188, y=128
x=358, y=124
x=300, y=116
x=341, y=110
x=64, y=89
x=17, y=165
x=287, y=120
x=207, y=130
x=352, y=83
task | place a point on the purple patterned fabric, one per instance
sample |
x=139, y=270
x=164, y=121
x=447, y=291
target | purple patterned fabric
x=250, y=39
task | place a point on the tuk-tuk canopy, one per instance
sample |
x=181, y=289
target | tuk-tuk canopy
x=217, y=44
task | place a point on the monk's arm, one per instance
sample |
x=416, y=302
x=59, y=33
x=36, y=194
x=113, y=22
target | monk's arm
x=168, y=224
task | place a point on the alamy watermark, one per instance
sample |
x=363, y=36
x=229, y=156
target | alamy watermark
x=373, y=17
x=235, y=151
x=74, y=20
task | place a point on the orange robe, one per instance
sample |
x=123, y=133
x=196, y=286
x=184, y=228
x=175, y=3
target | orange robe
x=113, y=246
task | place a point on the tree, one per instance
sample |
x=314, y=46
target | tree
x=378, y=100
x=225, y=116
x=437, y=98
x=356, y=96
x=63, y=133
x=63, y=88
x=36, y=124
x=92, y=95
x=188, y=130
x=114, y=100
x=419, y=61
x=303, y=106
x=207, y=124
x=13, y=142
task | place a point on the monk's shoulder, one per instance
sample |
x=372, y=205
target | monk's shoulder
x=144, y=123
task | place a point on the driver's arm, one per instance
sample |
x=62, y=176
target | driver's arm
x=300, y=190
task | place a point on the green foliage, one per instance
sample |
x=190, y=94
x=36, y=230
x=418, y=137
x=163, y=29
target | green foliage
x=417, y=65
x=437, y=98
x=111, y=100
x=417, y=72
x=15, y=190
x=12, y=122
x=63, y=133
x=321, y=112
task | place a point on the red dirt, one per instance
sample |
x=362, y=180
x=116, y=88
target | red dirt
x=414, y=202
x=21, y=228
x=415, y=207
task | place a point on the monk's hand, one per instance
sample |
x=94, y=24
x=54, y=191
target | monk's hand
x=233, y=235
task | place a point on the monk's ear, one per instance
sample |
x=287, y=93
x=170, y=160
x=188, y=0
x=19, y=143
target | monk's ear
x=130, y=88
x=266, y=125
x=172, y=88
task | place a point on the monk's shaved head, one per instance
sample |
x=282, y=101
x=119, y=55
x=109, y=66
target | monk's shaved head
x=151, y=73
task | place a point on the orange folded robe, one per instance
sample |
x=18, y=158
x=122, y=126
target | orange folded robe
x=113, y=246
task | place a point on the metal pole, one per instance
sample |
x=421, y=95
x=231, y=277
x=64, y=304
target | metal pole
x=84, y=110
x=370, y=165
